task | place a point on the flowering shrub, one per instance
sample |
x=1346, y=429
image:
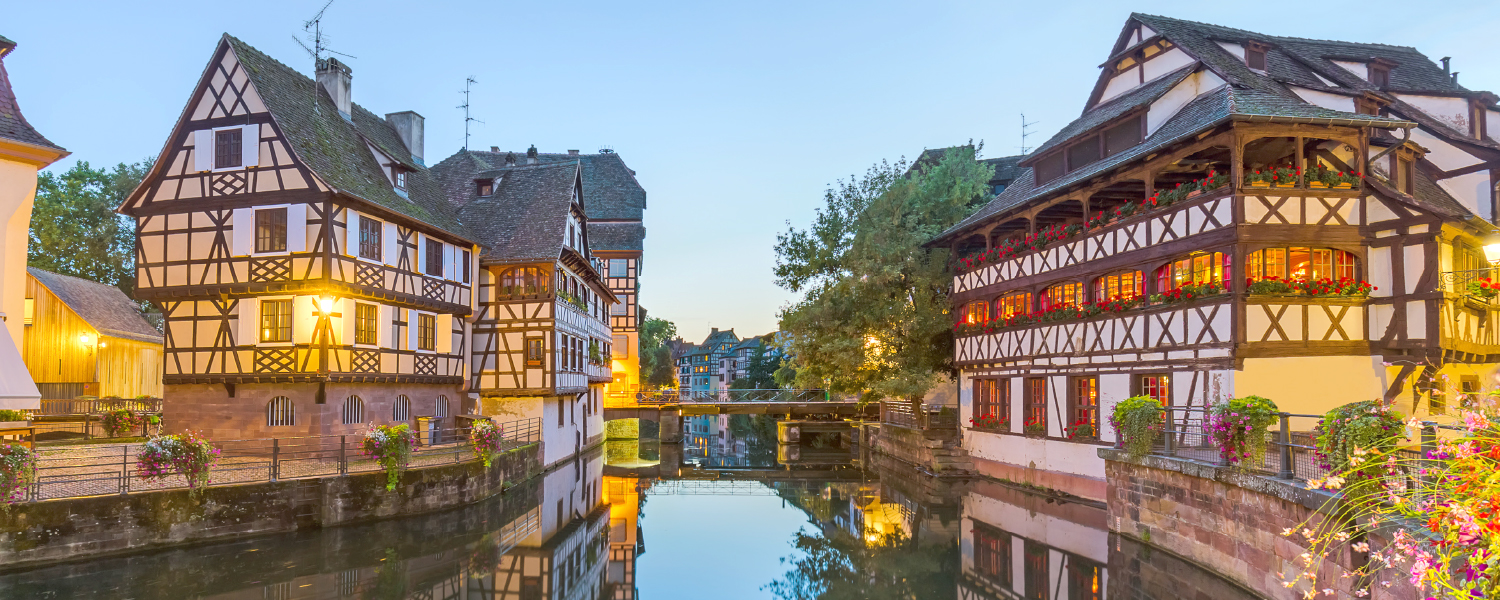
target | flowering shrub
x=1137, y=421
x=990, y=421
x=17, y=471
x=1484, y=288
x=1284, y=176
x=1320, y=287
x=485, y=438
x=391, y=448
x=1083, y=429
x=1257, y=176
x=117, y=422
x=1034, y=428
x=186, y=454
x=13, y=415
x=1238, y=428
x=1349, y=431
x=1190, y=291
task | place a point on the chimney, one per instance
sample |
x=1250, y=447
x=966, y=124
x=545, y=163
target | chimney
x=409, y=125
x=531, y=155
x=495, y=149
x=1455, y=78
x=510, y=159
x=334, y=77
x=1445, y=65
x=572, y=153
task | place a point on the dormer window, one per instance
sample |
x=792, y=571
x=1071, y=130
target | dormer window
x=1255, y=55
x=1477, y=119
x=400, y=179
x=1380, y=73
x=1368, y=104
x=486, y=187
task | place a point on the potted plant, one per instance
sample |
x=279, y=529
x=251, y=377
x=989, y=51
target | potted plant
x=989, y=421
x=11, y=419
x=186, y=454
x=1351, y=432
x=1238, y=427
x=1345, y=180
x=1083, y=430
x=1137, y=421
x=118, y=422
x=1284, y=177
x=485, y=438
x=1482, y=288
x=390, y=447
x=17, y=472
x=1034, y=428
x=1258, y=179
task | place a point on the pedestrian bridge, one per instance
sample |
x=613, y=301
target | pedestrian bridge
x=650, y=405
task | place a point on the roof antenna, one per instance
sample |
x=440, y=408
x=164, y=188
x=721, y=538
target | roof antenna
x=467, y=82
x=1025, y=133
x=314, y=29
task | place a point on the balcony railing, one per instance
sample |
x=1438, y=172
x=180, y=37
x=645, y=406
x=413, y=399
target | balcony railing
x=1459, y=282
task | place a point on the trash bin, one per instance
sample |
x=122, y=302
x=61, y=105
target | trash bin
x=427, y=431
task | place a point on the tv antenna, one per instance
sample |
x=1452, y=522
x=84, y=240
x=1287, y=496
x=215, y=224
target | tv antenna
x=1025, y=133
x=467, y=83
x=314, y=29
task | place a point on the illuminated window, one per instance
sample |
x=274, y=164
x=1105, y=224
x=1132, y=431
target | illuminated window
x=992, y=555
x=1155, y=386
x=1038, y=573
x=1300, y=263
x=1124, y=286
x=992, y=398
x=1085, y=579
x=364, y=323
x=976, y=312
x=486, y=187
x=1011, y=305
x=534, y=350
x=275, y=320
x=1036, y=401
x=1084, y=404
x=523, y=281
x=1063, y=294
x=1197, y=269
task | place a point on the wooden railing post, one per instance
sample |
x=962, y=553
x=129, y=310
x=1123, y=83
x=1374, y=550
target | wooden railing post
x=1287, y=472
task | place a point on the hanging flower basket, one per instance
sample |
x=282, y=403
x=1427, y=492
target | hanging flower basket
x=120, y=422
x=17, y=472
x=186, y=454
x=391, y=448
x=485, y=438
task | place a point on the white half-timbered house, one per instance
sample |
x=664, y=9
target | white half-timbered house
x=1159, y=204
x=541, y=332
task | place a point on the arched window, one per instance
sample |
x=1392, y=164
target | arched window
x=441, y=410
x=1011, y=305
x=977, y=312
x=354, y=410
x=280, y=412
x=1063, y=294
x=523, y=281
x=1196, y=269
x=1299, y=263
x=1123, y=286
x=402, y=411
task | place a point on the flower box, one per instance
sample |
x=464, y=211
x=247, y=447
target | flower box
x=1286, y=185
x=1260, y=184
x=1343, y=186
x=1194, y=193
x=1317, y=185
x=14, y=424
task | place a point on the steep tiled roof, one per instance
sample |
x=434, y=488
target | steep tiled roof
x=621, y=235
x=526, y=219
x=103, y=307
x=1114, y=108
x=13, y=125
x=337, y=150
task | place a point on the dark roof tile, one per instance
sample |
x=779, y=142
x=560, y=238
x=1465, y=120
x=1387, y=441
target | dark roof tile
x=526, y=219
x=13, y=126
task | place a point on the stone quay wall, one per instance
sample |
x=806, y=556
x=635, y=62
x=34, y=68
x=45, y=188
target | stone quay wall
x=67, y=529
x=1231, y=522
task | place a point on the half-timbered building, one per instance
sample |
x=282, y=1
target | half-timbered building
x=1211, y=227
x=312, y=277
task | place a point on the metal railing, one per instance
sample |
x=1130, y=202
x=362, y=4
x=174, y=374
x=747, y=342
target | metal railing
x=51, y=408
x=716, y=396
x=91, y=470
x=900, y=414
x=1458, y=281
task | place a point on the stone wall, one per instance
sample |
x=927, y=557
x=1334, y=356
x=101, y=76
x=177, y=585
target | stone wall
x=938, y=451
x=59, y=530
x=208, y=409
x=1230, y=522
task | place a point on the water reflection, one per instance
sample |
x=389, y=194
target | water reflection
x=874, y=529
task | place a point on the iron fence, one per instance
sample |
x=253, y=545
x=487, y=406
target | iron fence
x=91, y=470
x=901, y=414
x=717, y=396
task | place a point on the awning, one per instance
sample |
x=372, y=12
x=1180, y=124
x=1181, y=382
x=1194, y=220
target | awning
x=17, y=391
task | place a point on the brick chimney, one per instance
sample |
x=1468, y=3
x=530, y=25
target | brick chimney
x=531, y=155
x=334, y=77
x=572, y=153
x=409, y=125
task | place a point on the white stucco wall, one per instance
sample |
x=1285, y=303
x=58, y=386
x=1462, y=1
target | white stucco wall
x=17, y=192
x=1165, y=107
x=1047, y=455
x=1325, y=99
x=1166, y=62
x=1312, y=384
x=1453, y=111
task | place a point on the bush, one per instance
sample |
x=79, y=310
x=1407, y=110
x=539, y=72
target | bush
x=1137, y=421
x=1352, y=434
x=14, y=415
x=17, y=471
x=187, y=455
x=1238, y=427
x=391, y=448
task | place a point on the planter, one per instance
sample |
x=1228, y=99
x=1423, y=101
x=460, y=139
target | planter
x=1317, y=185
x=1286, y=185
x=1260, y=184
x=1343, y=186
x=1194, y=193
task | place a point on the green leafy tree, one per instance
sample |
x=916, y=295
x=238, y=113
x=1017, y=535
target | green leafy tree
x=874, y=316
x=657, y=368
x=74, y=228
x=762, y=372
x=839, y=567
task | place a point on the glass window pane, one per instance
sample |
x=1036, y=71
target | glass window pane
x=1299, y=263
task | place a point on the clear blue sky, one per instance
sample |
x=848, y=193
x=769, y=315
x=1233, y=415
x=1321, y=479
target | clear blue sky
x=736, y=115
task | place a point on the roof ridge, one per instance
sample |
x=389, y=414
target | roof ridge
x=1273, y=37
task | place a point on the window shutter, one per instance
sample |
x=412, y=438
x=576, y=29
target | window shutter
x=450, y=270
x=420, y=265
x=296, y=228
x=249, y=322
x=444, y=335
x=411, y=328
x=203, y=150
x=304, y=320
x=242, y=231
x=351, y=233
x=250, y=145
x=346, y=308
x=389, y=237
x=383, y=326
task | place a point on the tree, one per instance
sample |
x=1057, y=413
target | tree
x=762, y=372
x=874, y=317
x=657, y=368
x=838, y=566
x=75, y=230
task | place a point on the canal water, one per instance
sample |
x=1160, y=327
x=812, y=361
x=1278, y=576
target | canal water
x=725, y=516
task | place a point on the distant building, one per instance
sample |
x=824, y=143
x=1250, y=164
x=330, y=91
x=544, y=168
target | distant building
x=85, y=338
x=23, y=151
x=699, y=367
x=736, y=363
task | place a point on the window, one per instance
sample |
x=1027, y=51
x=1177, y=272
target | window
x=1123, y=136
x=1468, y=386
x=280, y=412
x=534, y=349
x=486, y=187
x=1011, y=305
x=1255, y=55
x=1063, y=294
x=621, y=345
x=992, y=555
x=1380, y=75
x=619, y=267
x=1467, y=257
x=440, y=408
x=1085, y=579
x=1083, y=153
x=364, y=323
x=523, y=281
x=354, y=411
x=426, y=332
x=434, y=258
x=401, y=411
x=228, y=148
x=369, y=238
x=29, y=311
x=1299, y=263
x=275, y=320
x=270, y=230
x=400, y=179
x=1477, y=119
x=1155, y=386
x=1123, y=286
x=1036, y=401
x=1405, y=174
x=1038, y=573
x=977, y=312
x=992, y=399
x=1083, y=409
x=1049, y=167
x=466, y=266
x=1196, y=269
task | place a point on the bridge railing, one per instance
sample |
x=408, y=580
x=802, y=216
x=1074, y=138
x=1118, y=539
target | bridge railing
x=901, y=414
x=731, y=396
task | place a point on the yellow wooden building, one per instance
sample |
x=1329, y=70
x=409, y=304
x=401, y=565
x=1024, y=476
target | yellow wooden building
x=88, y=338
